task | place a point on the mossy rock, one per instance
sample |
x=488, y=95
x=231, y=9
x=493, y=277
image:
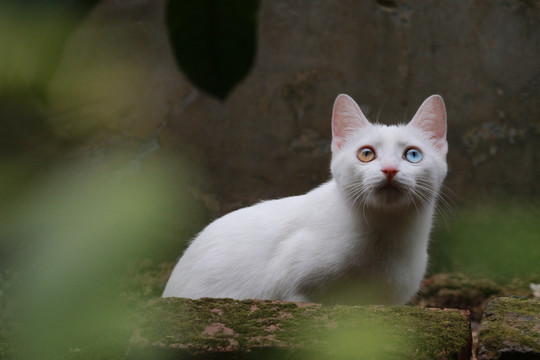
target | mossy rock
x=207, y=328
x=510, y=329
x=461, y=292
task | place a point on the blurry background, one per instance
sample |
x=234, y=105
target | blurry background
x=126, y=126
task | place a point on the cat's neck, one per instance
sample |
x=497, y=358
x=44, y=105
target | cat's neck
x=386, y=221
x=405, y=215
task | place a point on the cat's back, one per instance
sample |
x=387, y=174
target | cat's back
x=262, y=225
x=247, y=242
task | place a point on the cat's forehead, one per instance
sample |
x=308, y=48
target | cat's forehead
x=380, y=134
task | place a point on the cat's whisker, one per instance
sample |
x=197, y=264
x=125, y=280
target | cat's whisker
x=364, y=204
x=411, y=197
x=424, y=199
x=443, y=200
x=358, y=193
x=446, y=198
x=356, y=198
x=420, y=198
x=354, y=193
x=443, y=203
x=444, y=209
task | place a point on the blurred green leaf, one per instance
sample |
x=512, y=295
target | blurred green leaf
x=81, y=228
x=497, y=240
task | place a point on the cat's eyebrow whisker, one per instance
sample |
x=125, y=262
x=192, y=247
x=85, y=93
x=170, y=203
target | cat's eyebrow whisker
x=379, y=111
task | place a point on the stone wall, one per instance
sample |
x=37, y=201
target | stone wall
x=271, y=136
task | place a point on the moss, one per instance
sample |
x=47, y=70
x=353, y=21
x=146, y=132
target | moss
x=469, y=288
x=510, y=325
x=461, y=292
x=225, y=325
x=144, y=279
x=4, y=341
x=6, y=325
x=200, y=324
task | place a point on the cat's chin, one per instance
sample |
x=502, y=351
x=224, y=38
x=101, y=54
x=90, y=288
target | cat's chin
x=390, y=196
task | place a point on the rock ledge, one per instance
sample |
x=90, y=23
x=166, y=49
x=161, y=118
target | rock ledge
x=209, y=328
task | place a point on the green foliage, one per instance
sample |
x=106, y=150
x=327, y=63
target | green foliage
x=78, y=229
x=33, y=35
x=497, y=240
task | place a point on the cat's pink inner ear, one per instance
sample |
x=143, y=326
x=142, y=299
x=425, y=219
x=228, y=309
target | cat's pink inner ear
x=431, y=118
x=346, y=117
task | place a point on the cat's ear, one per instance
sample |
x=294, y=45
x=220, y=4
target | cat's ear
x=431, y=118
x=346, y=117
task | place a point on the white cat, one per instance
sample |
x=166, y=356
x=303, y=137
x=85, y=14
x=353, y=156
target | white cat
x=360, y=238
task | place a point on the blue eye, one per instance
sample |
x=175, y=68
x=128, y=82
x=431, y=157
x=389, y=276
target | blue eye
x=413, y=155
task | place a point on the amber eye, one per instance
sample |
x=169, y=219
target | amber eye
x=366, y=154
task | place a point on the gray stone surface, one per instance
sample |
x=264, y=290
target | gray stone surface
x=510, y=329
x=271, y=136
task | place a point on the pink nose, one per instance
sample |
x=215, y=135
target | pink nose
x=390, y=172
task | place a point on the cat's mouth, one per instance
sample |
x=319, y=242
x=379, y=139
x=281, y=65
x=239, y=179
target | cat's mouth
x=390, y=186
x=390, y=189
x=390, y=194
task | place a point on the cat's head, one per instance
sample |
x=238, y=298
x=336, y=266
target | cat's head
x=389, y=166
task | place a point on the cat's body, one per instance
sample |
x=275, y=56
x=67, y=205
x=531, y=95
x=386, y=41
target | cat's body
x=360, y=238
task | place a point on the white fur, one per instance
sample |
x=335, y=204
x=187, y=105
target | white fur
x=347, y=241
